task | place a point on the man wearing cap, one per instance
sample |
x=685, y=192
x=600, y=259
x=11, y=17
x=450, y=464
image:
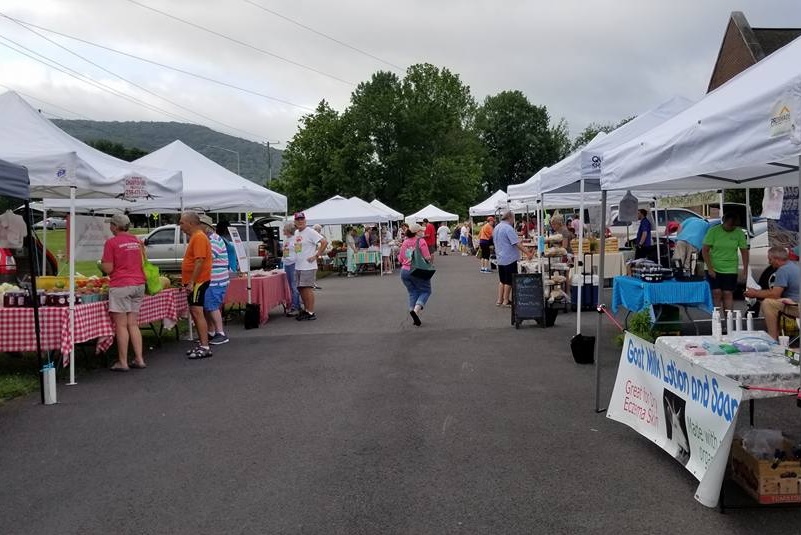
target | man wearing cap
x=309, y=246
x=485, y=242
x=195, y=276
x=507, y=251
x=218, y=285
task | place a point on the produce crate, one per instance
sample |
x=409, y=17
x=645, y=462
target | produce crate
x=767, y=481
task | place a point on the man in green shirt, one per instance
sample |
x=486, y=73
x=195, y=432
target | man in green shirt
x=720, y=255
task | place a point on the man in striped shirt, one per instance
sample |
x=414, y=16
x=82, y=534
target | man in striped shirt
x=215, y=295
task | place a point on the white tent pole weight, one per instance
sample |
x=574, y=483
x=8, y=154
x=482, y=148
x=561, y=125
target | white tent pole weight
x=71, y=249
x=601, y=267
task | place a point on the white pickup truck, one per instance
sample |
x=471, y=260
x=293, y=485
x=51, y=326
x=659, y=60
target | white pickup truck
x=166, y=245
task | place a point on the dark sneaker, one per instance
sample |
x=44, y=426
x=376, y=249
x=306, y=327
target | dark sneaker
x=218, y=339
x=415, y=318
x=197, y=345
x=301, y=315
x=200, y=353
x=308, y=317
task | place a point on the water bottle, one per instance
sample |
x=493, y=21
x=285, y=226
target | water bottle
x=729, y=321
x=738, y=320
x=716, y=330
x=749, y=321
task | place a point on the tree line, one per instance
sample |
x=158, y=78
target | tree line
x=421, y=138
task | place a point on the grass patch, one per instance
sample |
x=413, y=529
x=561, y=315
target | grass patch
x=57, y=245
x=15, y=385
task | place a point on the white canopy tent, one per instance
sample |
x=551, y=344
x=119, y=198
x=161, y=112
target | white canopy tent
x=396, y=216
x=490, y=205
x=746, y=133
x=207, y=187
x=432, y=213
x=57, y=162
x=14, y=181
x=341, y=211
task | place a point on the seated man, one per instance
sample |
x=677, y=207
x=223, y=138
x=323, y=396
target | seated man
x=785, y=288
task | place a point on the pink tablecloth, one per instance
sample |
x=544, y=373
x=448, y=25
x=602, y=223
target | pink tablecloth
x=268, y=292
x=92, y=321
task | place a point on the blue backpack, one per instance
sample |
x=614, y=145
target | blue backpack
x=233, y=264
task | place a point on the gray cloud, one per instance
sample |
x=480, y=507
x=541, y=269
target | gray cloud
x=585, y=60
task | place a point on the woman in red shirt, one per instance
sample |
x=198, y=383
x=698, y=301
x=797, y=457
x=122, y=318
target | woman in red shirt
x=122, y=262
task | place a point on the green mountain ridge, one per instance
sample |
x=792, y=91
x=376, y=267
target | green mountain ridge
x=150, y=136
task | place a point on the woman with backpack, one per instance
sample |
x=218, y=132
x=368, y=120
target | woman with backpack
x=418, y=288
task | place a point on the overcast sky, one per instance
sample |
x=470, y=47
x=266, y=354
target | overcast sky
x=586, y=60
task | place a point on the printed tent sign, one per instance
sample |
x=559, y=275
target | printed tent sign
x=685, y=409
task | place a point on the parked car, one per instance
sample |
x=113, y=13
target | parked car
x=165, y=246
x=51, y=223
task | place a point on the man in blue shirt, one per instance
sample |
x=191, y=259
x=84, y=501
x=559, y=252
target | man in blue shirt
x=690, y=240
x=785, y=287
x=507, y=252
x=642, y=243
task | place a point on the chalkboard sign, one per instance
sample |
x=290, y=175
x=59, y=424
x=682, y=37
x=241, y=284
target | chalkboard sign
x=527, y=298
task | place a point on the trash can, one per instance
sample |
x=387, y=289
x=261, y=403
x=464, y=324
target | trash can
x=589, y=291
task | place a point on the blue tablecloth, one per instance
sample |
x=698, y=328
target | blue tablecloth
x=635, y=294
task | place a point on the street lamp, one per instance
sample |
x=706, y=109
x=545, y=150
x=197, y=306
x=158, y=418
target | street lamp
x=229, y=150
x=270, y=160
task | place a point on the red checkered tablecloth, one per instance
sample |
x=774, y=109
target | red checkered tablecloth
x=92, y=321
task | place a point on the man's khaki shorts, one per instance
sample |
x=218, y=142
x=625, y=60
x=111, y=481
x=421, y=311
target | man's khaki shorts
x=305, y=278
x=126, y=298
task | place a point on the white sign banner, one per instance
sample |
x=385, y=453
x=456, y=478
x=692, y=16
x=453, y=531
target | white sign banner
x=780, y=123
x=239, y=246
x=91, y=234
x=685, y=409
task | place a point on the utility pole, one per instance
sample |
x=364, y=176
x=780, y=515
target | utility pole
x=270, y=161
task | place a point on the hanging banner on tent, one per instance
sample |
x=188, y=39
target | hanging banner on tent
x=91, y=234
x=772, y=202
x=783, y=231
x=135, y=187
x=685, y=409
x=591, y=164
x=239, y=247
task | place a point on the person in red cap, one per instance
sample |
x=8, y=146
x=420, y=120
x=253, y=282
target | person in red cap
x=309, y=246
x=485, y=242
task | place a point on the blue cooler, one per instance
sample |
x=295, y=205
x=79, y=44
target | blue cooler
x=589, y=292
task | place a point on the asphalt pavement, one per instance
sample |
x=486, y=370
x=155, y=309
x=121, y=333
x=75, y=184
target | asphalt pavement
x=355, y=423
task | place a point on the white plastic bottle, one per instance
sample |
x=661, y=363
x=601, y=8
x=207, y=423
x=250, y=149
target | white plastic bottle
x=716, y=329
x=729, y=321
x=749, y=321
x=738, y=320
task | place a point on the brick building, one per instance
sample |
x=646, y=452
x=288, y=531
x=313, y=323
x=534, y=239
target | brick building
x=743, y=46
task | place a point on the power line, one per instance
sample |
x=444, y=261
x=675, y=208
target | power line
x=78, y=76
x=137, y=85
x=26, y=95
x=241, y=43
x=162, y=65
x=321, y=34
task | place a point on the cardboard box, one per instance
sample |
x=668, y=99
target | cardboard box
x=768, y=482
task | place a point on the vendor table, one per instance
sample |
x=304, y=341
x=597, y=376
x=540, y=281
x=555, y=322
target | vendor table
x=614, y=263
x=636, y=294
x=687, y=400
x=770, y=369
x=367, y=256
x=269, y=292
x=92, y=321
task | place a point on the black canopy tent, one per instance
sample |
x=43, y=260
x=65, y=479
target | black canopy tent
x=14, y=183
